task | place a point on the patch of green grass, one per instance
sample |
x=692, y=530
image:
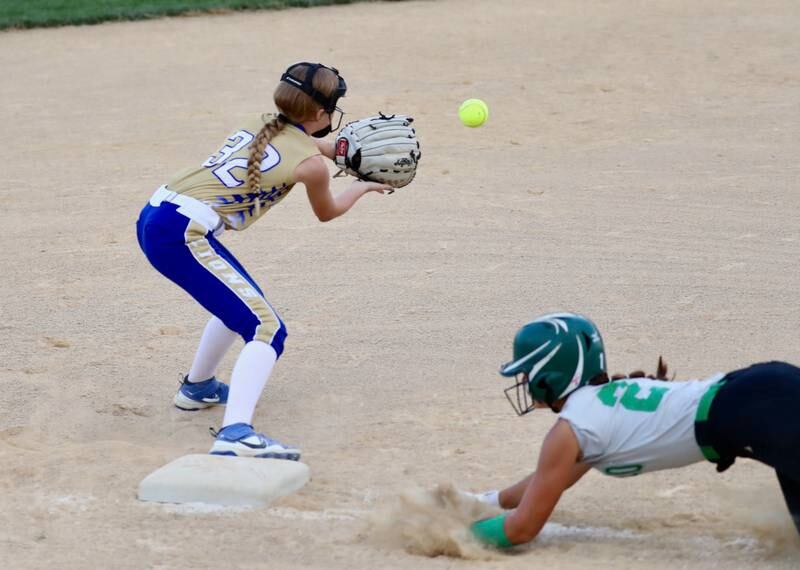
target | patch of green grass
x=44, y=13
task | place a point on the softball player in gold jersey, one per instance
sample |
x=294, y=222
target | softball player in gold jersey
x=178, y=230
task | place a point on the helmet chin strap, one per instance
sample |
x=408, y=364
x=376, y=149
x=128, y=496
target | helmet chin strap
x=550, y=397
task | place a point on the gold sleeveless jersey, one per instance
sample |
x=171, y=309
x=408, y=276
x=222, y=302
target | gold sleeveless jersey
x=221, y=181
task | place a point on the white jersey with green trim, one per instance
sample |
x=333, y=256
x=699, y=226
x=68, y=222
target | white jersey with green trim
x=635, y=425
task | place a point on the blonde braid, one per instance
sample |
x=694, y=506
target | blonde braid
x=661, y=373
x=266, y=134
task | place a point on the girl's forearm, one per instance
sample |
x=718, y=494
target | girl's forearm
x=346, y=199
x=510, y=497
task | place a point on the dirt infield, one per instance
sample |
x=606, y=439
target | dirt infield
x=640, y=164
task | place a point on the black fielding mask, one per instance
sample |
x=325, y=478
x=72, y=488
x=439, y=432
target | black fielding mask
x=306, y=85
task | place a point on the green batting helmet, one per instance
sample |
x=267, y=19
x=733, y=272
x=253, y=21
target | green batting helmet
x=554, y=355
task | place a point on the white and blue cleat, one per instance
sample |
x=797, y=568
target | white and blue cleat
x=241, y=440
x=194, y=396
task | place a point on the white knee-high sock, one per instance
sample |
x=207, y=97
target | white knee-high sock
x=215, y=342
x=250, y=375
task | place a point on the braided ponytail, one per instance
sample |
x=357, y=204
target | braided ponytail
x=266, y=134
x=661, y=374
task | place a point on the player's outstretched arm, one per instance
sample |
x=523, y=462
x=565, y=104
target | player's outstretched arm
x=313, y=173
x=555, y=473
x=510, y=497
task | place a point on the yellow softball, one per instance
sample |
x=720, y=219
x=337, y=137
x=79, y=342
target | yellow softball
x=473, y=112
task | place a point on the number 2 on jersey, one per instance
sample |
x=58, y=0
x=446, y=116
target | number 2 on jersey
x=629, y=400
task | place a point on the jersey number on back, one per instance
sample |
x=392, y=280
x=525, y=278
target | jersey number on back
x=236, y=142
x=629, y=399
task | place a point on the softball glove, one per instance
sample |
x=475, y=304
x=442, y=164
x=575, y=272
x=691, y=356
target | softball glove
x=380, y=149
